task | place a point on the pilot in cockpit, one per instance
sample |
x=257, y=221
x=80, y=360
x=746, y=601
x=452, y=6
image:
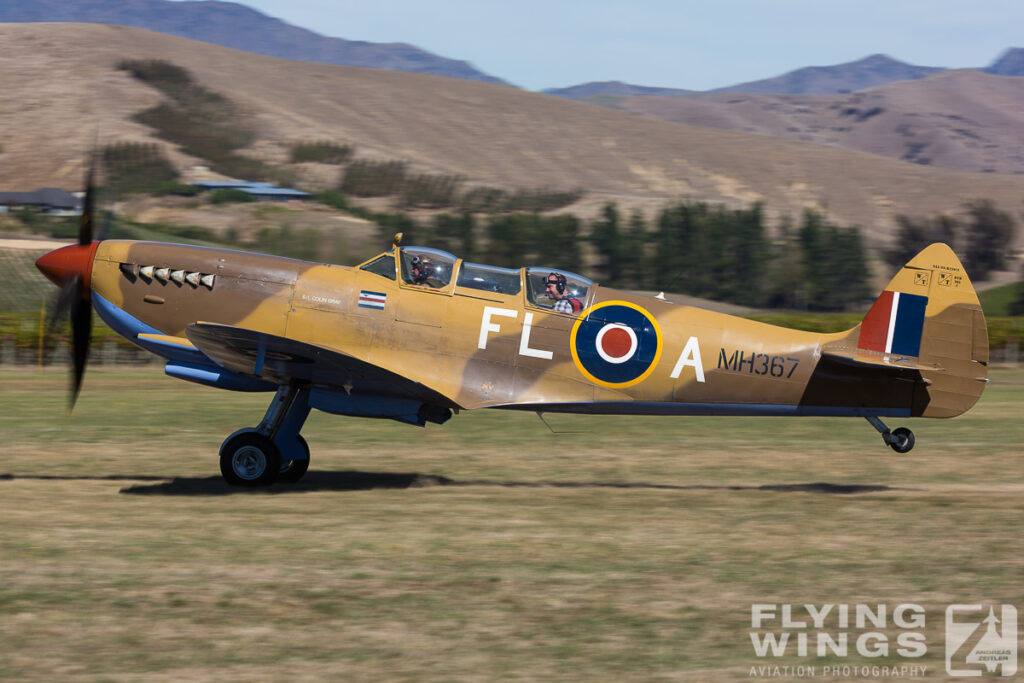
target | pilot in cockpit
x=423, y=271
x=555, y=288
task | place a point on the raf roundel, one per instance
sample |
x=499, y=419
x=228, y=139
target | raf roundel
x=616, y=344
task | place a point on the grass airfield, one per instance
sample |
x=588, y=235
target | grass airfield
x=488, y=548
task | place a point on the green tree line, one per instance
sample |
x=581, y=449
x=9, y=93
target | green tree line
x=694, y=248
x=714, y=252
x=983, y=237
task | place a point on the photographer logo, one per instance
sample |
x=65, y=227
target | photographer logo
x=978, y=643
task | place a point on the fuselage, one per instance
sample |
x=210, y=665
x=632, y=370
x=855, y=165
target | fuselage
x=481, y=348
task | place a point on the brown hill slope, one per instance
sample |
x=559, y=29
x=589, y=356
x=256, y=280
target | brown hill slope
x=60, y=83
x=965, y=119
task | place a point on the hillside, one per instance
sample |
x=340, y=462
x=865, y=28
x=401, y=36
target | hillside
x=234, y=25
x=965, y=119
x=61, y=85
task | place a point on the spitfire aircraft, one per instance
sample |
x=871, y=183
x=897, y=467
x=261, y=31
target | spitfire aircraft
x=415, y=334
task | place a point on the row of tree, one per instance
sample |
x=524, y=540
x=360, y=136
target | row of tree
x=714, y=252
x=711, y=251
x=1017, y=307
x=983, y=237
x=695, y=248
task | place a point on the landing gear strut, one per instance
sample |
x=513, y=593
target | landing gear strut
x=900, y=439
x=273, y=450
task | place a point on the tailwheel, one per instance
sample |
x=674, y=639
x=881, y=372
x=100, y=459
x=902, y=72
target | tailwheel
x=901, y=440
x=249, y=459
x=293, y=470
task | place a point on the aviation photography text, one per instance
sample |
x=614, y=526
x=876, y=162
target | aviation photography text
x=816, y=640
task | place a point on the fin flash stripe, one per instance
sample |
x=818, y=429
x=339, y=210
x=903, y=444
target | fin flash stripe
x=894, y=324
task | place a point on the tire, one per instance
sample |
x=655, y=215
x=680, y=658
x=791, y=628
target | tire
x=249, y=459
x=903, y=440
x=293, y=470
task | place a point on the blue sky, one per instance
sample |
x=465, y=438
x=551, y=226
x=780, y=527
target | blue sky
x=540, y=44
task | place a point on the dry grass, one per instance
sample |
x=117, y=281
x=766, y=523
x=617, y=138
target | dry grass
x=485, y=549
x=60, y=83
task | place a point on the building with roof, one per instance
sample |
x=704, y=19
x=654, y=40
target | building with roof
x=259, y=190
x=49, y=200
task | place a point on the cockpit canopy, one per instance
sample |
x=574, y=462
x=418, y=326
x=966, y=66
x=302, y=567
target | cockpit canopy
x=427, y=267
x=489, y=278
x=550, y=288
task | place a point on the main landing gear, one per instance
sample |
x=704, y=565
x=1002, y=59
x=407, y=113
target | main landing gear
x=274, y=450
x=900, y=439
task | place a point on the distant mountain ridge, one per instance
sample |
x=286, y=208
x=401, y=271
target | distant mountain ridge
x=585, y=90
x=233, y=25
x=825, y=80
x=869, y=72
x=240, y=27
x=1010, y=63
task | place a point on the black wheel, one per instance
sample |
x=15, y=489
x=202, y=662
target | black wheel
x=249, y=459
x=902, y=441
x=293, y=470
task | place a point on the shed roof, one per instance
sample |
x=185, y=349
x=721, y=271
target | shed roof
x=46, y=196
x=275, y=192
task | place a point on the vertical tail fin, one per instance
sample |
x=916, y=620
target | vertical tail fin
x=930, y=312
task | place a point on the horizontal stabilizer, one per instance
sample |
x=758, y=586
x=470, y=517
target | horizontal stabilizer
x=861, y=357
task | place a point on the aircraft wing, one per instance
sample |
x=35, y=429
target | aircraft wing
x=278, y=359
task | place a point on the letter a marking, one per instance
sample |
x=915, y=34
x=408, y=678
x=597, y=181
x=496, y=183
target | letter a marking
x=690, y=357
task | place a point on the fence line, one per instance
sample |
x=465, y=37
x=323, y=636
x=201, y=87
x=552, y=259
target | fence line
x=107, y=352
